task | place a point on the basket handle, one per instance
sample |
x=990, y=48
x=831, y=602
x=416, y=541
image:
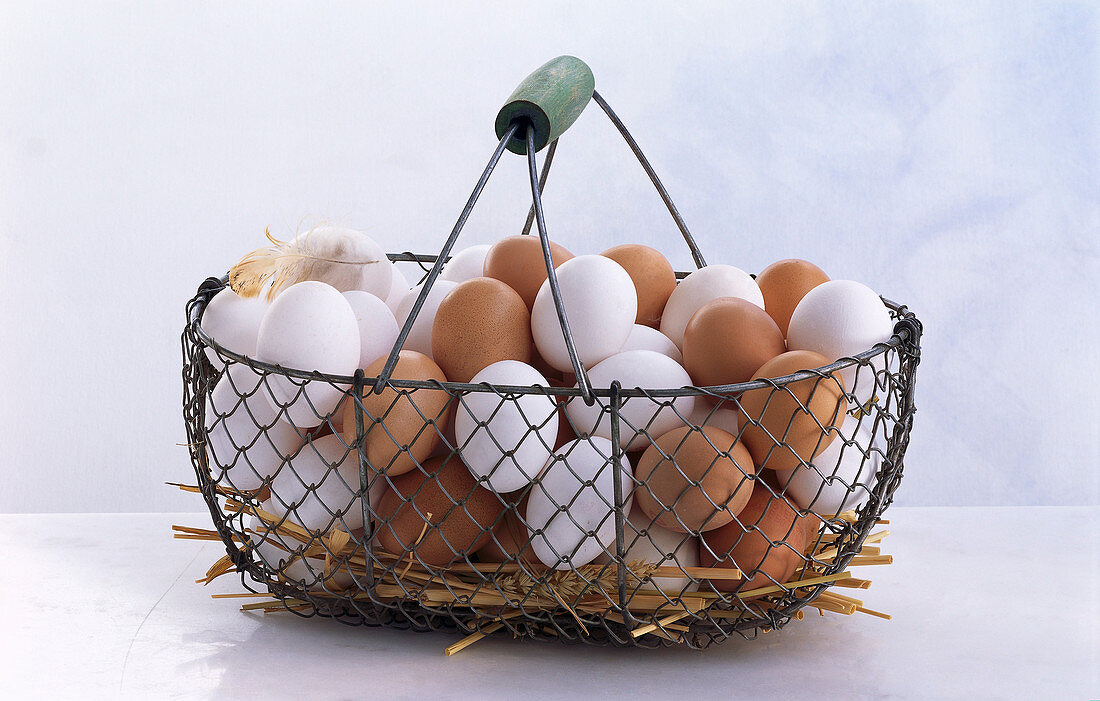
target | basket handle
x=550, y=100
x=552, y=277
x=544, y=105
x=520, y=126
x=444, y=254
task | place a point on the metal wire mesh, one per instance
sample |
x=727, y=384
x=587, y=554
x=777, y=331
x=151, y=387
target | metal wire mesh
x=587, y=512
x=299, y=526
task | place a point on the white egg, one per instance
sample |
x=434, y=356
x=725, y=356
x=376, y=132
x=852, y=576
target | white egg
x=718, y=417
x=466, y=264
x=420, y=337
x=648, y=542
x=579, y=476
x=377, y=326
x=642, y=418
x=647, y=338
x=283, y=555
x=310, y=326
x=318, y=487
x=399, y=287
x=702, y=286
x=840, y=477
x=233, y=322
x=247, y=442
x=600, y=303
x=505, y=450
x=842, y=318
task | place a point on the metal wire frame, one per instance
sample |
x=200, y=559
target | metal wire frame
x=907, y=333
x=363, y=605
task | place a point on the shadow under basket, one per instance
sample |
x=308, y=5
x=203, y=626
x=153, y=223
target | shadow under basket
x=369, y=513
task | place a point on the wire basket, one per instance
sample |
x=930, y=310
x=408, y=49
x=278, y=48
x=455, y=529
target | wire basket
x=369, y=514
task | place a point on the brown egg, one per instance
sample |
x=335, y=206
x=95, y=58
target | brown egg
x=766, y=543
x=653, y=277
x=784, y=284
x=510, y=540
x=480, y=322
x=796, y=434
x=462, y=513
x=404, y=426
x=517, y=261
x=727, y=340
x=807, y=520
x=811, y=526
x=725, y=482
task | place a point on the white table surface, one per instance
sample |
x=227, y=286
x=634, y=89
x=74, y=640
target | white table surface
x=986, y=603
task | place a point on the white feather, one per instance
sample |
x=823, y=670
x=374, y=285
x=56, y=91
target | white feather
x=344, y=258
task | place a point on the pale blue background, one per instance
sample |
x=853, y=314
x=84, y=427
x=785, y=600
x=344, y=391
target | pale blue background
x=944, y=153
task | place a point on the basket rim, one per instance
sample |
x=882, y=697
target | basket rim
x=199, y=302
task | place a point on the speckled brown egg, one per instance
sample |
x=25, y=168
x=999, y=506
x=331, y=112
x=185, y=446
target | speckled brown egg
x=784, y=283
x=401, y=429
x=724, y=481
x=517, y=261
x=766, y=543
x=788, y=425
x=727, y=340
x=653, y=276
x=480, y=322
x=462, y=513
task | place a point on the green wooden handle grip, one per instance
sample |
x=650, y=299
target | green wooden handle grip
x=551, y=98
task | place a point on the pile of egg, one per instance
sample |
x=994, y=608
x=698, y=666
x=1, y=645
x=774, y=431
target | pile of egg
x=528, y=476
